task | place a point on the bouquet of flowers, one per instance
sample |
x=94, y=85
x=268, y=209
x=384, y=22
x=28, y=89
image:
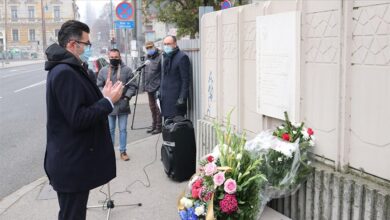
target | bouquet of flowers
x=285, y=157
x=227, y=184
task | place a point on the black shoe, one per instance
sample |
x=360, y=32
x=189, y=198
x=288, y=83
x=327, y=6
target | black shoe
x=150, y=130
x=157, y=131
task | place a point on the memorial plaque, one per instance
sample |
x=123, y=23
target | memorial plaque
x=277, y=57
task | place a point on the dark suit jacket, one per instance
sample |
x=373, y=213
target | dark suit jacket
x=175, y=83
x=79, y=151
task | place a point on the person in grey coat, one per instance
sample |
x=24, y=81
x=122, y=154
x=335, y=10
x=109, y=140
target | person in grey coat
x=152, y=77
x=118, y=71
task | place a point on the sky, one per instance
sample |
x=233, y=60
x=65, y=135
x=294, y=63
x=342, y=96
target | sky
x=97, y=4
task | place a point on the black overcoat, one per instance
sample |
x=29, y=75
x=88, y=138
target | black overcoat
x=79, y=151
x=175, y=83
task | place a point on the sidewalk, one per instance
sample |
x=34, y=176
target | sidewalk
x=15, y=63
x=140, y=180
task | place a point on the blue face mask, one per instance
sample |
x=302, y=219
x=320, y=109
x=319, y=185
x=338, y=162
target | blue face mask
x=168, y=49
x=86, y=54
x=150, y=52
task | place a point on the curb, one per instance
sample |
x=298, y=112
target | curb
x=8, y=201
x=23, y=64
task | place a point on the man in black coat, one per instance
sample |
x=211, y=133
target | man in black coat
x=175, y=81
x=79, y=152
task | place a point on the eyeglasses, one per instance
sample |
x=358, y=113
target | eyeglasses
x=86, y=44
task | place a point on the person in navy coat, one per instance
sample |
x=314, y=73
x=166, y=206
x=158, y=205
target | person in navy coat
x=79, y=152
x=175, y=81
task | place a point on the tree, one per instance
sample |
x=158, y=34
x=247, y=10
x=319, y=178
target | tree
x=183, y=13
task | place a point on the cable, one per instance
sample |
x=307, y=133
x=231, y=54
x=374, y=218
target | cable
x=147, y=185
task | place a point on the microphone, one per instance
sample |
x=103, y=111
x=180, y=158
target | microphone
x=137, y=70
x=143, y=65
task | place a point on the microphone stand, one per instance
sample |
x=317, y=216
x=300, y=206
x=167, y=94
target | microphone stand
x=110, y=203
x=137, y=72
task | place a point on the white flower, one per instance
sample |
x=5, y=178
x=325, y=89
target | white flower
x=239, y=156
x=313, y=138
x=294, y=132
x=311, y=143
x=295, y=124
x=188, y=203
x=305, y=134
x=281, y=127
x=279, y=159
x=308, y=162
x=199, y=210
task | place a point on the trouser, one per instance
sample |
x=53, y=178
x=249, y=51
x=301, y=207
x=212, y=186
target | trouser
x=156, y=115
x=122, y=122
x=73, y=206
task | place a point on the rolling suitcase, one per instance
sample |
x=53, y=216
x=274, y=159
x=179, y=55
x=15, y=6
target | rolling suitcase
x=178, y=151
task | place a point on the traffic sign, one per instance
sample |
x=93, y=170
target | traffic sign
x=226, y=4
x=124, y=11
x=124, y=24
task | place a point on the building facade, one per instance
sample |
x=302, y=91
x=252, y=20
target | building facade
x=23, y=32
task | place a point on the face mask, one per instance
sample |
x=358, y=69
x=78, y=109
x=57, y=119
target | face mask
x=150, y=52
x=115, y=62
x=168, y=49
x=86, y=54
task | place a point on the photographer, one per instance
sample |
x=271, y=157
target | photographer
x=118, y=71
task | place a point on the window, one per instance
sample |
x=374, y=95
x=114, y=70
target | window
x=15, y=35
x=31, y=34
x=56, y=32
x=14, y=13
x=57, y=14
x=31, y=13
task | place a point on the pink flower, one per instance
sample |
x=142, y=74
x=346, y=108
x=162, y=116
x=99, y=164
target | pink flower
x=205, y=195
x=230, y=186
x=219, y=178
x=229, y=204
x=210, y=169
x=286, y=137
x=310, y=131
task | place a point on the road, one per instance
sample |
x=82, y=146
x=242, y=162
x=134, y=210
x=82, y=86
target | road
x=23, y=126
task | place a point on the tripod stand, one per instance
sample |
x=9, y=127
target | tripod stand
x=138, y=73
x=110, y=203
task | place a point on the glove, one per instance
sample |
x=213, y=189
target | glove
x=181, y=104
x=127, y=98
x=157, y=94
x=124, y=105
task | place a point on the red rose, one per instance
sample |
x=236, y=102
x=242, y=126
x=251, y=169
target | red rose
x=210, y=159
x=286, y=137
x=310, y=131
x=198, y=183
x=195, y=192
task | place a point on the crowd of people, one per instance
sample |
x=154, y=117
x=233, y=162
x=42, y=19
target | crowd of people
x=82, y=110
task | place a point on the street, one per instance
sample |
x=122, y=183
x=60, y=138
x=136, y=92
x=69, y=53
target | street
x=23, y=119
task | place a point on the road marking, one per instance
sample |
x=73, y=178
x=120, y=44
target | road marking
x=31, y=86
x=18, y=73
